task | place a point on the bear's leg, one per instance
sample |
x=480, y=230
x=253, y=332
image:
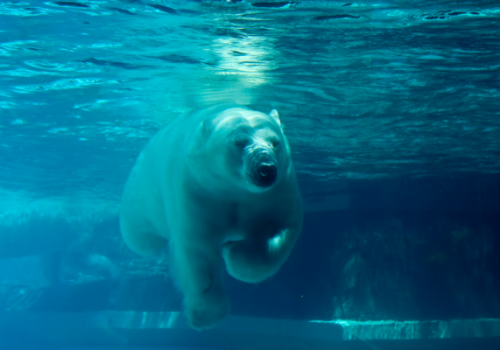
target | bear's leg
x=254, y=259
x=139, y=234
x=199, y=276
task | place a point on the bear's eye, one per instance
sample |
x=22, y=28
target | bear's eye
x=275, y=142
x=241, y=142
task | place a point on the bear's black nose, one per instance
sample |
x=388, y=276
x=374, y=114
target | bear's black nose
x=266, y=174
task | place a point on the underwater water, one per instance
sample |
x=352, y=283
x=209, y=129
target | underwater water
x=392, y=112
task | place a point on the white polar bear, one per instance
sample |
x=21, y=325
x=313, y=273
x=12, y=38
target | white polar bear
x=219, y=186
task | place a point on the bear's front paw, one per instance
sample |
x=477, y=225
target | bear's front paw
x=205, y=311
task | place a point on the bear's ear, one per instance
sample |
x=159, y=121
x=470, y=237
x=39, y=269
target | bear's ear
x=206, y=128
x=274, y=114
x=202, y=134
x=203, y=129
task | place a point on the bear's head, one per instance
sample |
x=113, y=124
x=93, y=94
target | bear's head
x=239, y=148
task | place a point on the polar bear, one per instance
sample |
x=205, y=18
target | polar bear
x=218, y=186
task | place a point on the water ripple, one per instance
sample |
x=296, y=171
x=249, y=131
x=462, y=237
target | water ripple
x=51, y=65
x=365, y=89
x=64, y=84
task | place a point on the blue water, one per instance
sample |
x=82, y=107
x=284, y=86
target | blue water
x=378, y=91
x=367, y=91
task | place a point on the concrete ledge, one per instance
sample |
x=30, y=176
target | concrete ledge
x=160, y=329
x=405, y=330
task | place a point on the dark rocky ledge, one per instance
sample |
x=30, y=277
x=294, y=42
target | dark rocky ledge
x=159, y=329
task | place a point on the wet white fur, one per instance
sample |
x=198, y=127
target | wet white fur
x=189, y=188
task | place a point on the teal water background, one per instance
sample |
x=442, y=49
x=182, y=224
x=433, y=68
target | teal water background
x=365, y=90
x=373, y=94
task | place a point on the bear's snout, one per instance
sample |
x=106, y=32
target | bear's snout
x=266, y=174
x=263, y=167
